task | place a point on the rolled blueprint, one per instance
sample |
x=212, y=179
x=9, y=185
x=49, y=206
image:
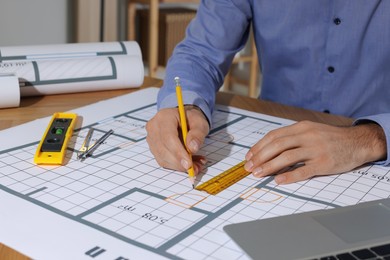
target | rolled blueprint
x=70, y=50
x=69, y=68
x=9, y=89
x=46, y=77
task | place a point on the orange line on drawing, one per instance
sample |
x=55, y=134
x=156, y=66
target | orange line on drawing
x=270, y=196
x=175, y=199
x=249, y=193
x=126, y=144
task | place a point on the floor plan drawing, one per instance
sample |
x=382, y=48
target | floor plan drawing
x=119, y=204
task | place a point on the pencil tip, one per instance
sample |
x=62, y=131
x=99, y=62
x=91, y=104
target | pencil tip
x=192, y=181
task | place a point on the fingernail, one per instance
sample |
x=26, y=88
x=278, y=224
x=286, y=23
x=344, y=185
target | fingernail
x=184, y=163
x=197, y=168
x=203, y=161
x=256, y=172
x=248, y=166
x=248, y=156
x=194, y=146
x=280, y=179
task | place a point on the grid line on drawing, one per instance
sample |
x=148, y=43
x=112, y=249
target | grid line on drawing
x=338, y=189
x=222, y=118
x=208, y=243
x=138, y=220
x=349, y=192
x=14, y=171
x=265, y=201
x=79, y=196
x=87, y=178
x=145, y=114
x=123, y=190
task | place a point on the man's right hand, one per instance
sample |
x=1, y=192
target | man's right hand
x=164, y=138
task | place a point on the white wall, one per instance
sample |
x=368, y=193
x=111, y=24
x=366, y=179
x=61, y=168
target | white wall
x=28, y=22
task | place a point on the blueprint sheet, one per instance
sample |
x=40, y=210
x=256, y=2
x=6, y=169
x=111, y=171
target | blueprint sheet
x=68, y=68
x=119, y=204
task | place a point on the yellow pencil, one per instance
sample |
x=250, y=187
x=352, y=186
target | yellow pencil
x=183, y=122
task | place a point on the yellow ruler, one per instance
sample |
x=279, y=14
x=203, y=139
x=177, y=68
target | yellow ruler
x=224, y=180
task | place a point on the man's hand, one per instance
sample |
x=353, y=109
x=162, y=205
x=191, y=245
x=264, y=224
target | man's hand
x=318, y=149
x=164, y=138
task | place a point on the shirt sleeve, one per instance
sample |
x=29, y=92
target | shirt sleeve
x=384, y=121
x=201, y=61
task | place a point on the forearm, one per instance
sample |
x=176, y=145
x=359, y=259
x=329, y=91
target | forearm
x=203, y=58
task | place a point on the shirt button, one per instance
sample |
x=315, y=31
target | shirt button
x=336, y=21
x=331, y=69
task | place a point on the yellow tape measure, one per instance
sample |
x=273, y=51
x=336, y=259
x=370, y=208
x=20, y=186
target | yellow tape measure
x=52, y=147
x=224, y=180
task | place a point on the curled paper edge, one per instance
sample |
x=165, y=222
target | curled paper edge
x=10, y=91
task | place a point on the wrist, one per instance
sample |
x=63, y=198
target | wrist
x=190, y=107
x=372, y=141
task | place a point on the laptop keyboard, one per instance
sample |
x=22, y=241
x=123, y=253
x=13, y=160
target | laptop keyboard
x=377, y=252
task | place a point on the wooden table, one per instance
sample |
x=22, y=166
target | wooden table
x=42, y=106
x=36, y=107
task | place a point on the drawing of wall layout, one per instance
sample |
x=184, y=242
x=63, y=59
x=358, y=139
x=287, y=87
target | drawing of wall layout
x=120, y=192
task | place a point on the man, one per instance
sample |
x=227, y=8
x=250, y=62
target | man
x=330, y=56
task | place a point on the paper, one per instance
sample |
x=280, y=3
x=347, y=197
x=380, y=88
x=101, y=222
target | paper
x=69, y=68
x=10, y=92
x=119, y=204
x=70, y=50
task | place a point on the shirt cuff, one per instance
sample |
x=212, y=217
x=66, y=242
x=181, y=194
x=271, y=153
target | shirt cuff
x=383, y=121
x=189, y=98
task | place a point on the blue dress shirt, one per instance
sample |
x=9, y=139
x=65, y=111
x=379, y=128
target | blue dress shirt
x=324, y=55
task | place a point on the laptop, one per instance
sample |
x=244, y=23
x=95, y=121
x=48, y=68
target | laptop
x=360, y=231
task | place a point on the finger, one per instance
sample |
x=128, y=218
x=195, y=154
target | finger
x=163, y=140
x=293, y=130
x=273, y=150
x=198, y=162
x=174, y=146
x=299, y=174
x=268, y=140
x=168, y=152
x=177, y=152
x=280, y=162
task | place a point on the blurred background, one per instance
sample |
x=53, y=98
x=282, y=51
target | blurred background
x=157, y=25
